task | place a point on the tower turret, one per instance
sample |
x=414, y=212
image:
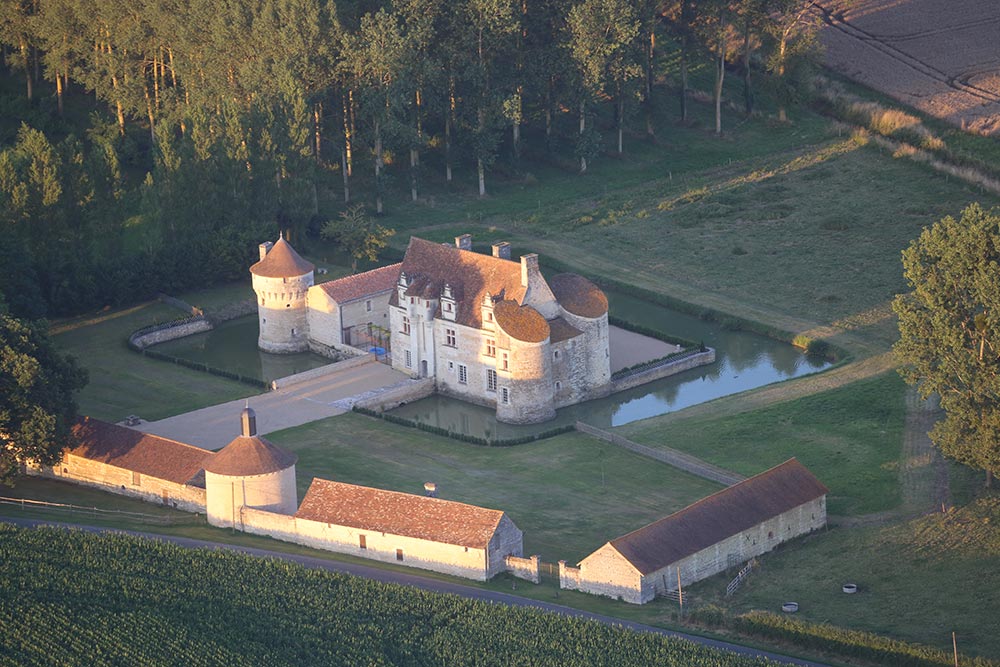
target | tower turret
x=281, y=280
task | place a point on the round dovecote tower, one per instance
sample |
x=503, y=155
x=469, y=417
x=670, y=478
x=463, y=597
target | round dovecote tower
x=281, y=279
x=524, y=392
x=249, y=472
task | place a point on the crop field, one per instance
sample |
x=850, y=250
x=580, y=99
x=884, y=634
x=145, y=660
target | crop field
x=938, y=56
x=73, y=598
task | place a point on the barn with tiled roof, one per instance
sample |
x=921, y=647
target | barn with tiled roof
x=418, y=531
x=128, y=462
x=720, y=531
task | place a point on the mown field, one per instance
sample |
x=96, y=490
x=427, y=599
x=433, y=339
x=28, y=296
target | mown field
x=72, y=598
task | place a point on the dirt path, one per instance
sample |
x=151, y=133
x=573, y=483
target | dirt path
x=923, y=472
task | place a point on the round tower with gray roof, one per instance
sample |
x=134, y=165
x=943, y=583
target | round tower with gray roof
x=281, y=280
x=249, y=472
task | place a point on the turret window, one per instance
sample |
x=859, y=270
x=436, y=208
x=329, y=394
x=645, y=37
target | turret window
x=491, y=380
x=504, y=395
x=449, y=338
x=491, y=347
x=406, y=325
x=463, y=374
x=505, y=361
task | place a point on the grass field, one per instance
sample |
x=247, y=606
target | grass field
x=569, y=494
x=918, y=580
x=848, y=437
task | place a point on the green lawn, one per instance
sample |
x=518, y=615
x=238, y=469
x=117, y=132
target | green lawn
x=123, y=382
x=918, y=580
x=569, y=494
x=850, y=438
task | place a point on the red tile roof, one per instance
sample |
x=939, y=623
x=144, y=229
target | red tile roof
x=139, y=452
x=249, y=455
x=362, y=285
x=282, y=262
x=578, y=295
x=379, y=510
x=522, y=323
x=721, y=515
x=431, y=265
x=562, y=330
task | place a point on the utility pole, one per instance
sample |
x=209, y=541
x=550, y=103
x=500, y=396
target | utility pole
x=954, y=646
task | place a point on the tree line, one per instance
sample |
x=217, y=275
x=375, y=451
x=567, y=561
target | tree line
x=218, y=118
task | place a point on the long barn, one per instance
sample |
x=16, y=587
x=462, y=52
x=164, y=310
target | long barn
x=703, y=539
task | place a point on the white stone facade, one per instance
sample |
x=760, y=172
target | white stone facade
x=281, y=312
x=226, y=495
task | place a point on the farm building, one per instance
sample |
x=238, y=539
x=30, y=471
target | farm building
x=127, y=462
x=703, y=539
x=419, y=531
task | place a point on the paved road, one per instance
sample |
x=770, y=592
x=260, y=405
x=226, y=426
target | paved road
x=214, y=427
x=429, y=584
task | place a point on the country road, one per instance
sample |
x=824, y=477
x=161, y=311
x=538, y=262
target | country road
x=430, y=584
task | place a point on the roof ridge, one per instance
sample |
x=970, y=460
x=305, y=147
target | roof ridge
x=707, y=498
x=83, y=419
x=405, y=493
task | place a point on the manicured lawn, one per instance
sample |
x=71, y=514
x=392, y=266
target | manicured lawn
x=918, y=580
x=123, y=382
x=850, y=438
x=569, y=494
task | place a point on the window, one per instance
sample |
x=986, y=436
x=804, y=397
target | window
x=491, y=380
x=293, y=331
x=463, y=374
x=406, y=325
x=411, y=299
x=451, y=365
x=136, y=478
x=409, y=359
x=368, y=305
x=558, y=386
x=399, y=554
x=447, y=307
x=505, y=361
x=505, y=395
x=361, y=542
x=491, y=347
x=449, y=337
x=555, y=355
x=489, y=316
x=770, y=534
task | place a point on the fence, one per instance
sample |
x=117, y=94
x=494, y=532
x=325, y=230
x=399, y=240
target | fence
x=685, y=462
x=159, y=519
x=740, y=576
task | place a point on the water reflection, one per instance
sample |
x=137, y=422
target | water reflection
x=743, y=361
x=232, y=346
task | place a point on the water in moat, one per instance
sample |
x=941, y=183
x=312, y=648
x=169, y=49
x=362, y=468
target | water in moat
x=743, y=361
x=232, y=346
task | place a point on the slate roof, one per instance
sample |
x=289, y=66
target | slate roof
x=520, y=322
x=250, y=455
x=360, y=285
x=139, y=452
x=405, y=514
x=719, y=516
x=578, y=295
x=282, y=262
x=431, y=265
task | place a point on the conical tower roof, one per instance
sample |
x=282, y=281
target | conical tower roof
x=282, y=262
x=249, y=454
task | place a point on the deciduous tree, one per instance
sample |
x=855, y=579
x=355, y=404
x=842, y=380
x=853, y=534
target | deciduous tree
x=358, y=234
x=949, y=328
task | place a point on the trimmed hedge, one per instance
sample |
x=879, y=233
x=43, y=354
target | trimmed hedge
x=461, y=437
x=197, y=366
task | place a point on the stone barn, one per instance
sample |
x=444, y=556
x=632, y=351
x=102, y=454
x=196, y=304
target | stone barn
x=141, y=465
x=339, y=311
x=417, y=531
x=705, y=538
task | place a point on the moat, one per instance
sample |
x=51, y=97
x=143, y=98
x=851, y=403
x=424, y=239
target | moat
x=743, y=361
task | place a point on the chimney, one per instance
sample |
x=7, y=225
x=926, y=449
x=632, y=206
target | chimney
x=265, y=248
x=464, y=242
x=431, y=489
x=501, y=249
x=529, y=267
x=248, y=420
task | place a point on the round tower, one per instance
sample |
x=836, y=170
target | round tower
x=249, y=472
x=585, y=306
x=524, y=393
x=281, y=279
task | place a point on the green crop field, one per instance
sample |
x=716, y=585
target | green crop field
x=72, y=598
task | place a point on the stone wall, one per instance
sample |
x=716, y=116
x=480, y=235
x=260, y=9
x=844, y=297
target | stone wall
x=281, y=313
x=143, y=338
x=262, y=522
x=508, y=540
x=665, y=369
x=569, y=577
x=124, y=483
x=524, y=568
x=323, y=318
x=383, y=400
x=606, y=572
x=322, y=371
x=356, y=313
